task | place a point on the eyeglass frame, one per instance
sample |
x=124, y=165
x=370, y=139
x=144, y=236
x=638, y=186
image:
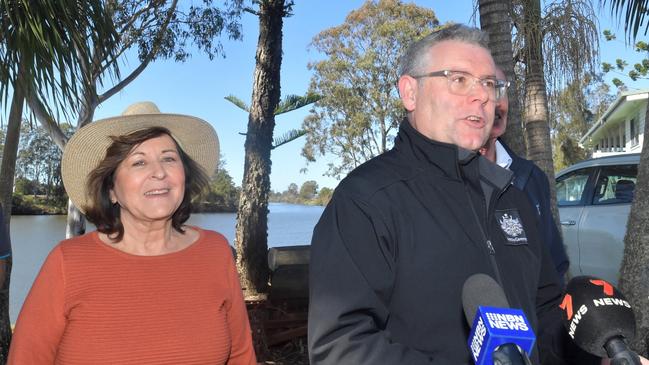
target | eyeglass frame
x=501, y=85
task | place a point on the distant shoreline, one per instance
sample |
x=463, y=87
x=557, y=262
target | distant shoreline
x=202, y=208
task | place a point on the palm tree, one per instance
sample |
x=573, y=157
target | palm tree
x=634, y=277
x=496, y=20
x=552, y=50
x=42, y=46
x=159, y=30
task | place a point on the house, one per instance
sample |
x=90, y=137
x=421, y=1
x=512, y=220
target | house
x=621, y=129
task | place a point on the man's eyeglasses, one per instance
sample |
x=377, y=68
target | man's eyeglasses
x=461, y=83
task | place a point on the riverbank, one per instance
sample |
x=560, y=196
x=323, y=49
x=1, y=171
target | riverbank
x=30, y=205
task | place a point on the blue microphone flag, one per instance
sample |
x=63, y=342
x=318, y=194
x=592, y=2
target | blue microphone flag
x=493, y=327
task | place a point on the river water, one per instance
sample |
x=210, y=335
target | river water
x=33, y=237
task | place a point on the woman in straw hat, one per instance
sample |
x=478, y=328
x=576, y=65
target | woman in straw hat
x=144, y=288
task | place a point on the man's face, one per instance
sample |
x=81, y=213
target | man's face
x=502, y=110
x=462, y=120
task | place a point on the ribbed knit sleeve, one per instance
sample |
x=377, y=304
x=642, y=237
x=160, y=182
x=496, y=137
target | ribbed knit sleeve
x=41, y=322
x=242, y=351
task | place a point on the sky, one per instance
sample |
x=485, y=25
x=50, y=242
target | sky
x=198, y=86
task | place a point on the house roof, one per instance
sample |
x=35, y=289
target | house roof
x=625, y=102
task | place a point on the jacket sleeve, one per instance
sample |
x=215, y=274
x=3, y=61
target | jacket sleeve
x=242, y=352
x=351, y=275
x=41, y=321
x=548, y=226
x=555, y=346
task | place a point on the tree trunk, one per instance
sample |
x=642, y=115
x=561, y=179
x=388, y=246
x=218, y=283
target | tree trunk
x=539, y=145
x=252, y=214
x=634, y=273
x=7, y=171
x=495, y=19
x=76, y=222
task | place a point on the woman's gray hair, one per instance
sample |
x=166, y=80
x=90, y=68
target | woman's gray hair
x=414, y=60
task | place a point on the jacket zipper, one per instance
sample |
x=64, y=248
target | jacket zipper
x=490, y=248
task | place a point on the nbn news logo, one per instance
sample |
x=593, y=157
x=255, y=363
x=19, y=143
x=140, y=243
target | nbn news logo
x=493, y=327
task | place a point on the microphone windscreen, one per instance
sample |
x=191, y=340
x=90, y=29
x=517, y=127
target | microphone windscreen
x=494, y=326
x=481, y=290
x=594, y=312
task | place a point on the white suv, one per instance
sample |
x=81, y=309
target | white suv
x=594, y=198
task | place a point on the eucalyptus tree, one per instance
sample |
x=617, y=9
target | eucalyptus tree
x=634, y=273
x=42, y=46
x=360, y=111
x=157, y=29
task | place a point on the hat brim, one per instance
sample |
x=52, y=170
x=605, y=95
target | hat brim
x=87, y=147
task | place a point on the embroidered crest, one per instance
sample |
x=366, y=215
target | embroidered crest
x=511, y=225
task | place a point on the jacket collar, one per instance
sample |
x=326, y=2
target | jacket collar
x=426, y=151
x=449, y=158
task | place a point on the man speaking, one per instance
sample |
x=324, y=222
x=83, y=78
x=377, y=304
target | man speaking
x=405, y=230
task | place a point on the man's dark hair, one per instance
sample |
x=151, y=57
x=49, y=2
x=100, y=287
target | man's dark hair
x=106, y=215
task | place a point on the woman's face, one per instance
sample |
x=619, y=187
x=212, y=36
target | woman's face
x=150, y=183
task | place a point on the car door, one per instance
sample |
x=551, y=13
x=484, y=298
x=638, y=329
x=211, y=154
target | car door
x=572, y=189
x=603, y=222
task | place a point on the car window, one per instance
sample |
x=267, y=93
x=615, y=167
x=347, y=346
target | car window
x=570, y=187
x=615, y=184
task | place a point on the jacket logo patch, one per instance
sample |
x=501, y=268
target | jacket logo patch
x=512, y=227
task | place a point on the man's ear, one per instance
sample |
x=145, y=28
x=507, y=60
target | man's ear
x=408, y=92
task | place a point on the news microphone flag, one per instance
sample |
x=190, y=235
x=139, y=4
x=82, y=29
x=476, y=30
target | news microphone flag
x=493, y=327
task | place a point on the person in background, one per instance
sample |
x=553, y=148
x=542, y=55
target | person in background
x=529, y=178
x=145, y=288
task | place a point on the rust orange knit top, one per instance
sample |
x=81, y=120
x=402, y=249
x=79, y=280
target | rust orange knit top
x=94, y=304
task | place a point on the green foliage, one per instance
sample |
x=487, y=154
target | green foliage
x=222, y=195
x=24, y=186
x=633, y=13
x=36, y=205
x=642, y=46
x=307, y=194
x=308, y=190
x=289, y=104
x=38, y=170
x=640, y=70
x=287, y=137
x=294, y=102
x=608, y=35
x=573, y=111
x=50, y=41
x=324, y=196
x=238, y=103
x=141, y=22
x=361, y=110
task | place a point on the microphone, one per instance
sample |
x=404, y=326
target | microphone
x=599, y=319
x=499, y=335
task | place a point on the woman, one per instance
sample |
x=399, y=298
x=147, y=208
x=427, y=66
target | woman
x=144, y=288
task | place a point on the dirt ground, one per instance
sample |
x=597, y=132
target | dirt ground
x=278, y=332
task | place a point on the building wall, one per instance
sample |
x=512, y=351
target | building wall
x=608, y=145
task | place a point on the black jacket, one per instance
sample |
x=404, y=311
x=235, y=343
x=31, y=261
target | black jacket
x=394, y=246
x=534, y=182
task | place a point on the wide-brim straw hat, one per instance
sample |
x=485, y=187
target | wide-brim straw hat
x=87, y=147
